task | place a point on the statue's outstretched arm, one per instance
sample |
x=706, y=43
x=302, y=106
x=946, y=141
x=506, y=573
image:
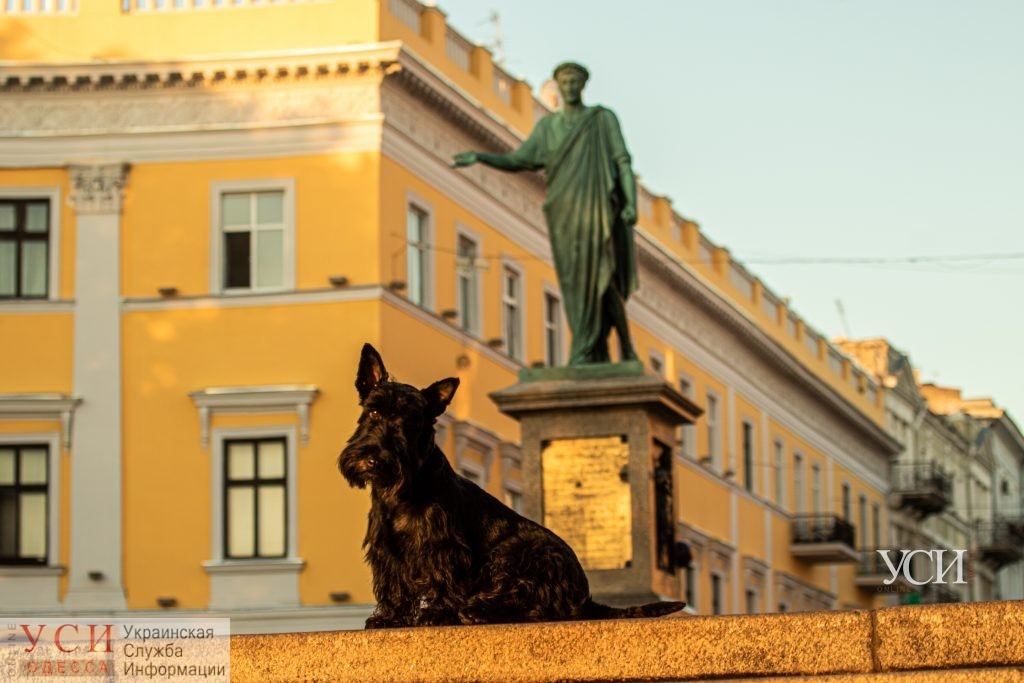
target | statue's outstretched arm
x=502, y=162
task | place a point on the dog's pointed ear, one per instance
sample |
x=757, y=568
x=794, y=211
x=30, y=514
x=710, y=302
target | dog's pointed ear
x=371, y=371
x=439, y=394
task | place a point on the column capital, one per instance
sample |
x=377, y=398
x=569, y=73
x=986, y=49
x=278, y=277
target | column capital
x=97, y=189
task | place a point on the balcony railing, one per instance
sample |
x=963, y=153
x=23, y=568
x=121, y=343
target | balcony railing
x=935, y=594
x=923, y=487
x=823, y=539
x=999, y=542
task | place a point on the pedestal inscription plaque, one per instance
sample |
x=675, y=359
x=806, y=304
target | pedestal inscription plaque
x=587, y=499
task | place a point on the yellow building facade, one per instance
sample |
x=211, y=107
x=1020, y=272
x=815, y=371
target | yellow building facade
x=206, y=208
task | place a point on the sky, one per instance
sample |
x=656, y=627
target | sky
x=806, y=134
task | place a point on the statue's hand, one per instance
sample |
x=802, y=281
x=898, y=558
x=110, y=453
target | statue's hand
x=628, y=215
x=464, y=159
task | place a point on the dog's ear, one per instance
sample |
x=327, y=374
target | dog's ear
x=439, y=394
x=371, y=371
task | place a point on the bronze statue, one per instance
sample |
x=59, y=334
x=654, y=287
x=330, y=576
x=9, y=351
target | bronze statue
x=590, y=210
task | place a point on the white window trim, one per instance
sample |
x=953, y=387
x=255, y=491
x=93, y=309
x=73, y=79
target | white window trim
x=689, y=430
x=53, y=441
x=799, y=487
x=478, y=280
x=429, y=286
x=219, y=436
x=53, y=249
x=485, y=442
x=779, y=463
x=518, y=269
x=41, y=407
x=250, y=400
x=551, y=290
x=715, y=447
x=217, y=189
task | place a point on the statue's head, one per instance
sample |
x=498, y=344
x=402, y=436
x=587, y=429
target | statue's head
x=571, y=79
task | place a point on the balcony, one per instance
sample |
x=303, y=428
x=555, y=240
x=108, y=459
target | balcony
x=999, y=542
x=923, y=488
x=934, y=594
x=873, y=572
x=822, y=539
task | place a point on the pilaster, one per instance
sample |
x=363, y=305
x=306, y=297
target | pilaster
x=95, y=580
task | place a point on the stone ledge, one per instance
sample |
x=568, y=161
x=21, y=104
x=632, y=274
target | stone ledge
x=920, y=643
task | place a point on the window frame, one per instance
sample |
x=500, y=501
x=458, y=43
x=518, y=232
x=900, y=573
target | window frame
x=554, y=354
x=779, y=449
x=520, y=310
x=53, y=195
x=749, y=456
x=52, y=442
x=218, y=269
x=254, y=484
x=218, y=440
x=424, y=249
x=474, y=325
x=688, y=432
x=713, y=428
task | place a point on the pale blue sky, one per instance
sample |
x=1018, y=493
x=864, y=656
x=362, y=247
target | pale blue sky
x=825, y=128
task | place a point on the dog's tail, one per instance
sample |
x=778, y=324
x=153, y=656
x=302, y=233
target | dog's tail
x=595, y=610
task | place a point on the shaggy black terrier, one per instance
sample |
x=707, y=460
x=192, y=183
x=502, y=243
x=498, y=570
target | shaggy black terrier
x=442, y=550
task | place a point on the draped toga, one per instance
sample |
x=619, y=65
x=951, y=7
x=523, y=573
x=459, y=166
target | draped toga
x=593, y=249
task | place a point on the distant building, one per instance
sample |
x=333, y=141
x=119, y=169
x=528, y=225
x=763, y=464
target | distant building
x=947, y=483
x=207, y=208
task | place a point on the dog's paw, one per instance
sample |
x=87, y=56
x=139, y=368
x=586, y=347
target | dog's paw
x=383, y=621
x=472, y=617
x=437, y=617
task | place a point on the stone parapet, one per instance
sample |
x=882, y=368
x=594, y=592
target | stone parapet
x=965, y=642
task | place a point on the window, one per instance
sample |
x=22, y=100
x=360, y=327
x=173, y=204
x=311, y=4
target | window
x=876, y=531
x=862, y=517
x=716, y=594
x=780, y=471
x=847, y=512
x=752, y=607
x=254, y=243
x=691, y=586
x=552, y=330
x=687, y=433
x=417, y=229
x=816, y=488
x=468, y=293
x=514, y=499
x=24, y=479
x=800, y=501
x=255, y=498
x=711, y=416
x=512, y=312
x=24, y=248
x=748, y=456
x=657, y=364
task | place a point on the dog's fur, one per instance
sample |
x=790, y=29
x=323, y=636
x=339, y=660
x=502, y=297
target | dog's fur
x=442, y=550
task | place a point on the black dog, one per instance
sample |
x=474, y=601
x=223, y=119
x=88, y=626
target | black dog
x=442, y=550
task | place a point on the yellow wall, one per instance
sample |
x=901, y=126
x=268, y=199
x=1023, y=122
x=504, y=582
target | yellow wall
x=99, y=30
x=166, y=221
x=168, y=536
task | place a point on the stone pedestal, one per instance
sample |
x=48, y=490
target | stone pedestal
x=592, y=440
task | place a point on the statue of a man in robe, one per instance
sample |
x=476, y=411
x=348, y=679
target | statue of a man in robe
x=590, y=210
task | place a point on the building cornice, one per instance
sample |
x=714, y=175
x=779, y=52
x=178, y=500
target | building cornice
x=688, y=284
x=199, y=71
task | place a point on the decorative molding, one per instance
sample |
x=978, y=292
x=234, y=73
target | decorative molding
x=256, y=300
x=270, y=67
x=37, y=306
x=97, y=189
x=256, y=566
x=471, y=435
x=262, y=399
x=41, y=407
